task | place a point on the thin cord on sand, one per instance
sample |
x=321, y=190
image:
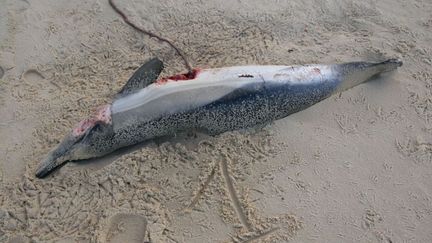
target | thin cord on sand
x=127, y=21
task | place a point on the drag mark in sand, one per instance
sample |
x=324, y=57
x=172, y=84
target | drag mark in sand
x=260, y=236
x=202, y=189
x=233, y=194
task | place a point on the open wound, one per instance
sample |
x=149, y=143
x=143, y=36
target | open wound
x=180, y=77
x=101, y=116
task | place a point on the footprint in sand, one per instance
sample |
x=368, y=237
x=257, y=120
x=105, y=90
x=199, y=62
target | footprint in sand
x=66, y=240
x=124, y=227
x=19, y=239
x=33, y=75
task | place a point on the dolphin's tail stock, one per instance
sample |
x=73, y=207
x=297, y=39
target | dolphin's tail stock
x=354, y=73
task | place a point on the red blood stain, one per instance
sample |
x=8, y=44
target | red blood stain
x=180, y=77
x=101, y=116
x=83, y=126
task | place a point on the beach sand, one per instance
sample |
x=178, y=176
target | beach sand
x=356, y=167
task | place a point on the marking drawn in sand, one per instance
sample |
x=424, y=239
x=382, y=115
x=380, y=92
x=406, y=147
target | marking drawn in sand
x=420, y=99
x=260, y=236
x=2, y=72
x=202, y=189
x=233, y=194
x=417, y=149
x=125, y=227
x=346, y=124
x=251, y=227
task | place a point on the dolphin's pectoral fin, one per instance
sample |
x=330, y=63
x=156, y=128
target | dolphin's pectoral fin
x=144, y=76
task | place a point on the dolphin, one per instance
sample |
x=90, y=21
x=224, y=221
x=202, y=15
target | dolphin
x=208, y=100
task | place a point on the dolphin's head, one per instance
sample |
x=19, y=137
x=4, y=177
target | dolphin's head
x=88, y=139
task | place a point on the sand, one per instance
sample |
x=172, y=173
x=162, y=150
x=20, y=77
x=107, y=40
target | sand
x=356, y=167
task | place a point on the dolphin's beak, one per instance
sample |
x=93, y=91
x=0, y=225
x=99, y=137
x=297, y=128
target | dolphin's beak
x=48, y=165
x=57, y=157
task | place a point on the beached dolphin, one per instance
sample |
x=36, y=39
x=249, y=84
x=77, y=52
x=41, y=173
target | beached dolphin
x=209, y=100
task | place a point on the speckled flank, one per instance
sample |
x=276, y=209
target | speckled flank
x=213, y=85
x=220, y=100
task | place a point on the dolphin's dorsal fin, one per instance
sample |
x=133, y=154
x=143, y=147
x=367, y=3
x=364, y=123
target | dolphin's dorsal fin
x=144, y=76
